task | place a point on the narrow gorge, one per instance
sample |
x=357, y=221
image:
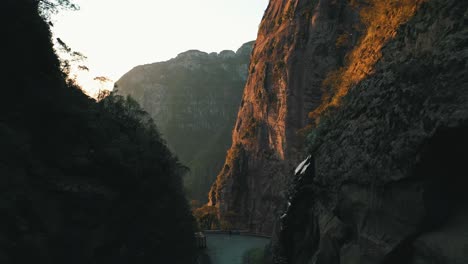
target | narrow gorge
x=193, y=99
x=297, y=46
x=375, y=92
x=338, y=136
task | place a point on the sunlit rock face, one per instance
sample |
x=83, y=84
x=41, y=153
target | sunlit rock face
x=193, y=99
x=387, y=181
x=295, y=49
x=382, y=80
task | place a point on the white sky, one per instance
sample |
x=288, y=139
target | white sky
x=117, y=35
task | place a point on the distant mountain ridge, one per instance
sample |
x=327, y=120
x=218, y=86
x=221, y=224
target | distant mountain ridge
x=194, y=99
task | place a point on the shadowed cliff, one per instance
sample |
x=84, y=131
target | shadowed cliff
x=294, y=51
x=386, y=88
x=80, y=181
x=194, y=99
x=385, y=180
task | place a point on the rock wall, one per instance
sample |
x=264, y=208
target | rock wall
x=295, y=48
x=194, y=99
x=385, y=183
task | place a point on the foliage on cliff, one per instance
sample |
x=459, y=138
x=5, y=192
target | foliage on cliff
x=80, y=181
x=379, y=20
x=207, y=217
x=194, y=99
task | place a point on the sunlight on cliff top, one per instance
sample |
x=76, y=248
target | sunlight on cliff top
x=381, y=19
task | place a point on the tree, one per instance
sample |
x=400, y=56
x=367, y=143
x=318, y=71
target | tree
x=108, y=183
x=48, y=7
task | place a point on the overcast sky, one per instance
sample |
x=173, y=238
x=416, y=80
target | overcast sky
x=117, y=35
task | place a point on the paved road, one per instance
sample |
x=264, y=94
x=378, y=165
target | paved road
x=225, y=249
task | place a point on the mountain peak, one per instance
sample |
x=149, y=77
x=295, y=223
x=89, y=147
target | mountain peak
x=192, y=54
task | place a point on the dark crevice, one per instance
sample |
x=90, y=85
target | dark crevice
x=442, y=168
x=443, y=164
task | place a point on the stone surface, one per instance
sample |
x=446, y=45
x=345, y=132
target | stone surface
x=294, y=50
x=388, y=185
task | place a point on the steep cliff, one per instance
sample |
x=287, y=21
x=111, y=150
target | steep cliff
x=296, y=47
x=194, y=99
x=386, y=180
x=80, y=181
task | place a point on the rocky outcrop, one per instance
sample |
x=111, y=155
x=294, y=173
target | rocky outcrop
x=295, y=49
x=194, y=99
x=386, y=180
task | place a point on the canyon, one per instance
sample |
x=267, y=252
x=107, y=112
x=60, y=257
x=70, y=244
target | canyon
x=193, y=99
x=375, y=92
x=295, y=50
x=349, y=145
x=384, y=180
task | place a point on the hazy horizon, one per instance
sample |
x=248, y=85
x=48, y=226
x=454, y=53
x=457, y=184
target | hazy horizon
x=117, y=35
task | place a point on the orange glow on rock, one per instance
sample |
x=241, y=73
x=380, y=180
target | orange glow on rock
x=381, y=20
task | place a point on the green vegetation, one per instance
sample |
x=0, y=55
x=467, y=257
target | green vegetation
x=194, y=99
x=80, y=181
x=207, y=217
x=254, y=256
